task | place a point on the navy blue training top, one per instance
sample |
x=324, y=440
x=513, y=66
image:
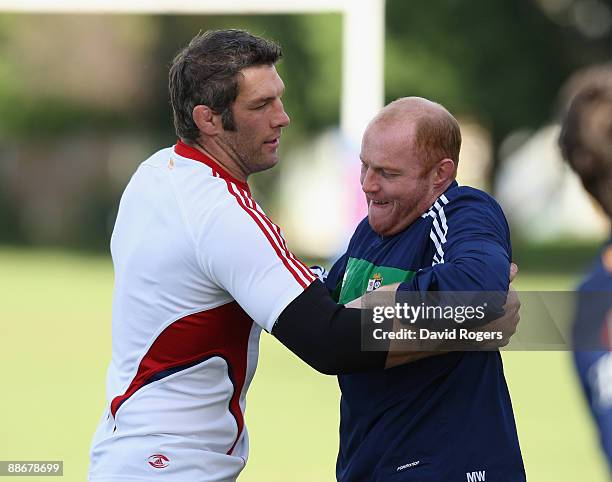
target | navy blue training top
x=444, y=418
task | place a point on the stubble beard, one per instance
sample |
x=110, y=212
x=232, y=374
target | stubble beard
x=244, y=153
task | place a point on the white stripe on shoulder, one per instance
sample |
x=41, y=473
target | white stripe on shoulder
x=439, y=229
x=442, y=216
x=437, y=244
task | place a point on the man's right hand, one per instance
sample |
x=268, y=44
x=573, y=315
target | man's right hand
x=506, y=324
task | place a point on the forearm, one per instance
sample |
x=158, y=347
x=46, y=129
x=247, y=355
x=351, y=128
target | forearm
x=473, y=280
x=399, y=352
x=326, y=335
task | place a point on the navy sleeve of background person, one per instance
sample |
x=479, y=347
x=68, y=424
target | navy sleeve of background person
x=592, y=338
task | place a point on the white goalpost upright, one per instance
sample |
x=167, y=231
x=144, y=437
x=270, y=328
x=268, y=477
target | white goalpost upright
x=362, y=93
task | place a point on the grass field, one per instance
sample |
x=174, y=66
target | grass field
x=55, y=346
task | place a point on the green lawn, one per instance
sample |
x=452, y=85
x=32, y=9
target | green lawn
x=55, y=346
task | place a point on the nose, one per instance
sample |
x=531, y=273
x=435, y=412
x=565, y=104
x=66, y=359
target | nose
x=281, y=118
x=369, y=183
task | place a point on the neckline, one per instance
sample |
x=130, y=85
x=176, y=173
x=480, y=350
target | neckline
x=185, y=150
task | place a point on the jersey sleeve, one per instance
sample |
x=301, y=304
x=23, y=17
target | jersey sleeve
x=471, y=241
x=245, y=253
x=333, y=282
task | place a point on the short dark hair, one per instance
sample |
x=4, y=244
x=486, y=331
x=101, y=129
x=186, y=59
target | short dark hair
x=586, y=137
x=206, y=73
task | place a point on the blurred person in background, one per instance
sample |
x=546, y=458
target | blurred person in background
x=448, y=417
x=586, y=145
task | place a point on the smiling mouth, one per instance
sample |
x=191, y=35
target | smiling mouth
x=273, y=143
x=378, y=203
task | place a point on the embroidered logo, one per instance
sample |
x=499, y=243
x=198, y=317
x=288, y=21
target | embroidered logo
x=375, y=282
x=158, y=461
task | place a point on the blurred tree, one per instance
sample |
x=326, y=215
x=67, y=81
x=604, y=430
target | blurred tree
x=500, y=62
x=100, y=77
x=67, y=73
x=103, y=78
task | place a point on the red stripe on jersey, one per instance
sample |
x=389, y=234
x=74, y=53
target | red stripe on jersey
x=279, y=237
x=305, y=270
x=300, y=272
x=194, y=154
x=281, y=243
x=289, y=264
x=223, y=331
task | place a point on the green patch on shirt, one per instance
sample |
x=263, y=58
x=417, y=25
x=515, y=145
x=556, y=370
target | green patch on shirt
x=362, y=276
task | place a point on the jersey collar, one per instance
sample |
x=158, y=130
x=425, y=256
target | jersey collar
x=194, y=154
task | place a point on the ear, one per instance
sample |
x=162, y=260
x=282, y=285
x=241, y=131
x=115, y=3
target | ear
x=207, y=120
x=445, y=172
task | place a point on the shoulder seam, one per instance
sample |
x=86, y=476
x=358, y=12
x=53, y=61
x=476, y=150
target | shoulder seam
x=181, y=205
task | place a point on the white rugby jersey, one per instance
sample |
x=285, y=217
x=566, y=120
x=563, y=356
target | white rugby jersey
x=199, y=271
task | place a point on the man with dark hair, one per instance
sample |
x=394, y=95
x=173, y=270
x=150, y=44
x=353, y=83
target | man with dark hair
x=447, y=417
x=586, y=145
x=206, y=73
x=200, y=270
